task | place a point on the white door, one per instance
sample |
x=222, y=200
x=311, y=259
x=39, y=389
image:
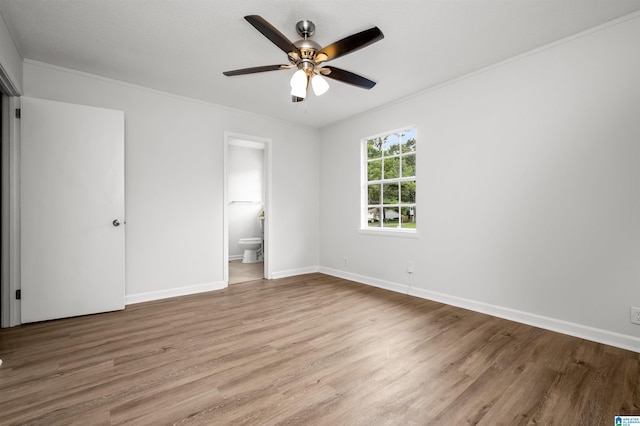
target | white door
x=72, y=191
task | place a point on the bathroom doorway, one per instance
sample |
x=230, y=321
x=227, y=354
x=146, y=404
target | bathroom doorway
x=246, y=208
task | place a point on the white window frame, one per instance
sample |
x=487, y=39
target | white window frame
x=364, y=197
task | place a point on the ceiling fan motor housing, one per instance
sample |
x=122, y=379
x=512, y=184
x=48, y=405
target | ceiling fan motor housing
x=307, y=49
x=307, y=56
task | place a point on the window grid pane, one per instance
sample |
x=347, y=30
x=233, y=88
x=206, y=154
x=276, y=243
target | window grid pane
x=373, y=216
x=374, y=194
x=374, y=148
x=391, y=182
x=374, y=170
x=392, y=168
x=408, y=165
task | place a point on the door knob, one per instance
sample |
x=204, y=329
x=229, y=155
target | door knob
x=116, y=222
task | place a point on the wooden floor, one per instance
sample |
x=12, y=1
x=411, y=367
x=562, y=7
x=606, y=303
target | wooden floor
x=242, y=272
x=308, y=350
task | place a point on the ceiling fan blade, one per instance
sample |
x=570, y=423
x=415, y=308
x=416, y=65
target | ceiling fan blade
x=270, y=32
x=350, y=44
x=348, y=77
x=254, y=70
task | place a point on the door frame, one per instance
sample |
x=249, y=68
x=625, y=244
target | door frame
x=10, y=204
x=266, y=142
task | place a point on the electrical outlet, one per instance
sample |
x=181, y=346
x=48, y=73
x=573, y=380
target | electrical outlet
x=410, y=269
x=345, y=261
x=635, y=315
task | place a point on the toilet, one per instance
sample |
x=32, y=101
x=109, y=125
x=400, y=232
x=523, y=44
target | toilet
x=252, y=249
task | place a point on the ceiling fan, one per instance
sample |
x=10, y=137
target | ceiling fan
x=308, y=57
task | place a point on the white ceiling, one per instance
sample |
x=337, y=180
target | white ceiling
x=183, y=46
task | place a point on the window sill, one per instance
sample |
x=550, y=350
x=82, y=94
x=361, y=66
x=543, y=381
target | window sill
x=390, y=232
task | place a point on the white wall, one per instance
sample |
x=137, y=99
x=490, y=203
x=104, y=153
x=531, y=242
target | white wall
x=246, y=188
x=528, y=198
x=174, y=154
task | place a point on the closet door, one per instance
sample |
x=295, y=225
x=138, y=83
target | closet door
x=72, y=210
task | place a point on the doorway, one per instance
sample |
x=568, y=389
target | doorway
x=247, y=195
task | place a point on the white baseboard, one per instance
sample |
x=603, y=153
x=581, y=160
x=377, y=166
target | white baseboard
x=572, y=329
x=294, y=272
x=235, y=257
x=131, y=299
x=362, y=279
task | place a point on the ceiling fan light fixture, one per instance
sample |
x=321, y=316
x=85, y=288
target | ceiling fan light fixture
x=297, y=93
x=319, y=84
x=306, y=55
x=299, y=84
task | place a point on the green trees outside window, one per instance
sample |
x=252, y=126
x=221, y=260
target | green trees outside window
x=391, y=180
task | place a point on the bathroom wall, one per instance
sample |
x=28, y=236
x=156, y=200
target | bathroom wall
x=246, y=195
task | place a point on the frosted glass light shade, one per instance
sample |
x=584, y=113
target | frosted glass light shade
x=295, y=91
x=299, y=84
x=319, y=84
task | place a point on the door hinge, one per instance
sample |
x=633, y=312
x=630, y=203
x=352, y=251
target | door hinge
x=18, y=113
x=18, y=294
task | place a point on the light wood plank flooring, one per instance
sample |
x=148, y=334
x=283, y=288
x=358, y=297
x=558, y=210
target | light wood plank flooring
x=307, y=350
x=242, y=272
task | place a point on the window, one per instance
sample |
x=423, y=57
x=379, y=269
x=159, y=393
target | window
x=389, y=181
